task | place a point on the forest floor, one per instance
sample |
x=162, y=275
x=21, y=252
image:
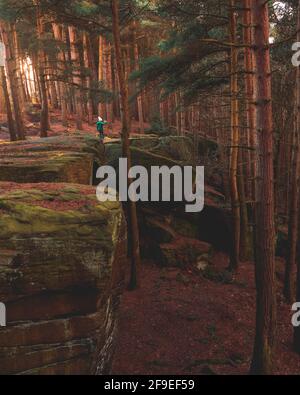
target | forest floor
x=57, y=129
x=180, y=322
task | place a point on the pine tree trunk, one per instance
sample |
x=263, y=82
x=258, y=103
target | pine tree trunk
x=262, y=362
x=109, y=106
x=45, y=123
x=178, y=117
x=76, y=77
x=245, y=242
x=101, y=70
x=7, y=38
x=51, y=85
x=57, y=31
x=136, y=65
x=10, y=120
x=88, y=79
x=24, y=82
x=91, y=57
x=133, y=229
x=170, y=112
x=235, y=139
x=68, y=60
x=249, y=93
x=18, y=67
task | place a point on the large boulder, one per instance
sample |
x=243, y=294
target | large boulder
x=153, y=151
x=68, y=159
x=62, y=257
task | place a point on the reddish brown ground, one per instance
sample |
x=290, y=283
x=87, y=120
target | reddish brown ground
x=32, y=129
x=178, y=322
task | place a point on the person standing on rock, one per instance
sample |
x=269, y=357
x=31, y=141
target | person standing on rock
x=100, y=127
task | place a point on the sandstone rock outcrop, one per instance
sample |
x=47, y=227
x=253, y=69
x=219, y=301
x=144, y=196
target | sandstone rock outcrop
x=62, y=257
x=68, y=159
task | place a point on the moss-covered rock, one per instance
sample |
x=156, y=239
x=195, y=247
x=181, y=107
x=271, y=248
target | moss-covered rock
x=55, y=159
x=183, y=252
x=62, y=256
x=153, y=151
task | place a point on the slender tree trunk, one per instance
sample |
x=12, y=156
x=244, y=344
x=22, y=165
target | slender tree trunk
x=25, y=82
x=245, y=241
x=249, y=92
x=88, y=79
x=262, y=362
x=76, y=77
x=178, y=115
x=17, y=52
x=108, y=67
x=91, y=57
x=170, y=112
x=133, y=229
x=103, y=72
x=182, y=119
x=10, y=120
x=235, y=139
x=7, y=38
x=136, y=65
x=57, y=31
x=51, y=84
x=45, y=123
x=195, y=122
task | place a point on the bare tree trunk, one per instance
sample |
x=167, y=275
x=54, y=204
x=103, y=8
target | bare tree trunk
x=88, y=79
x=45, y=124
x=57, y=31
x=235, y=139
x=51, y=84
x=245, y=241
x=133, y=229
x=108, y=67
x=136, y=65
x=7, y=38
x=100, y=70
x=10, y=120
x=24, y=82
x=249, y=92
x=76, y=77
x=17, y=53
x=262, y=362
x=178, y=115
